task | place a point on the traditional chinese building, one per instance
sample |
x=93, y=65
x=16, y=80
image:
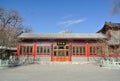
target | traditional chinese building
x=112, y=30
x=65, y=47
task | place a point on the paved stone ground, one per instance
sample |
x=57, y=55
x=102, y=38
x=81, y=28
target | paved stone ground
x=59, y=72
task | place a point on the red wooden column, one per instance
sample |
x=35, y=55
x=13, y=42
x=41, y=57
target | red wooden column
x=51, y=51
x=70, y=45
x=87, y=51
x=103, y=49
x=34, y=50
x=64, y=57
x=18, y=50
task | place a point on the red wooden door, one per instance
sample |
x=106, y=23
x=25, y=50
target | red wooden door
x=61, y=53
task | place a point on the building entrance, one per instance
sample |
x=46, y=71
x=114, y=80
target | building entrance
x=61, y=53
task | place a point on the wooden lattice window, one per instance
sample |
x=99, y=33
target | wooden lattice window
x=26, y=49
x=43, y=49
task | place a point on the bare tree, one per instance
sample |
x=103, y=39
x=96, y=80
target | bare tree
x=10, y=27
x=116, y=7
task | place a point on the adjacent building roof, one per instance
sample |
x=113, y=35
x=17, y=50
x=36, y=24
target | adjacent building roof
x=115, y=38
x=8, y=48
x=109, y=25
x=61, y=35
x=114, y=33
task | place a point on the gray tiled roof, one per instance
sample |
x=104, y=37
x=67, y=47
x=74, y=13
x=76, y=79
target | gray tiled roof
x=117, y=24
x=115, y=38
x=61, y=35
x=109, y=25
x=112, y=24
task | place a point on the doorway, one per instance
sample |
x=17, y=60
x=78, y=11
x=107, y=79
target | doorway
x=61, y=53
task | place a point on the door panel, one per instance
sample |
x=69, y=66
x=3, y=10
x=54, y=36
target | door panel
x=61, y=53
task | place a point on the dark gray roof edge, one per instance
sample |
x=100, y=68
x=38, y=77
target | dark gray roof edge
x=56, y=33
x=61, y=35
